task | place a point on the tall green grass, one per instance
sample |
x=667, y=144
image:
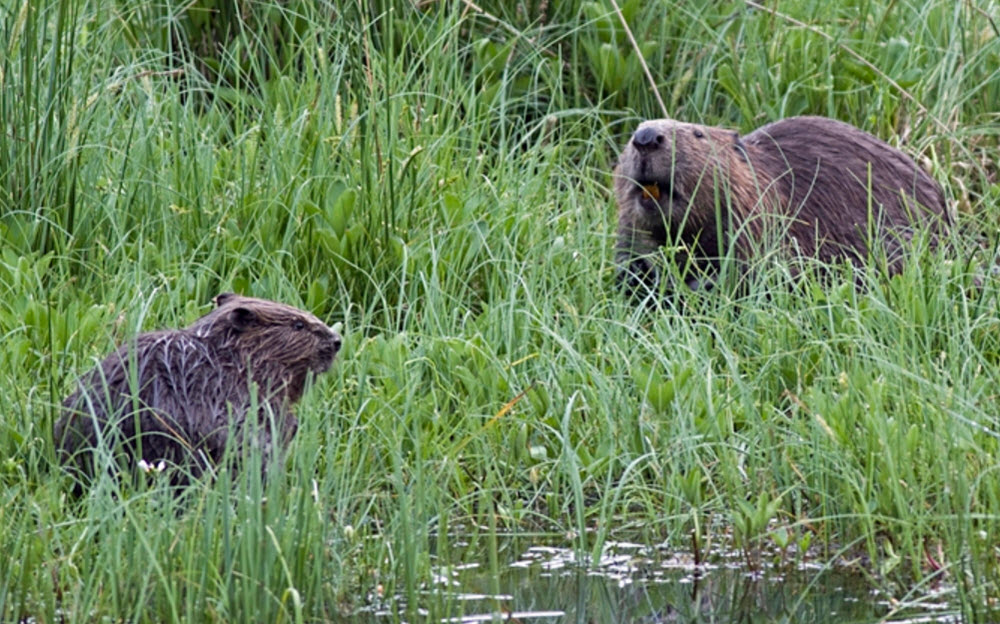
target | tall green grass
x=436, y=178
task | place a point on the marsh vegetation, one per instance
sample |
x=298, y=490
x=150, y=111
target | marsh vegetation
x=435, y=177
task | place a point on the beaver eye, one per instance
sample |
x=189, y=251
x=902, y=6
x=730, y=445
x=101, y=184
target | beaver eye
x=698, y=133
x=299, y=325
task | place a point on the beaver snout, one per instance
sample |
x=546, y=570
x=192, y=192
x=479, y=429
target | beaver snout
x=647, y=139
x=327, y=351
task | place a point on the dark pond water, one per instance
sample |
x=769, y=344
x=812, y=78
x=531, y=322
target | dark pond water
x=645, y=585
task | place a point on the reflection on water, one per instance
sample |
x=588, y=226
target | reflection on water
x=640, y=584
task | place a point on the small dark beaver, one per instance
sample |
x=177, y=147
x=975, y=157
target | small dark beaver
x=179, y=395
x=821, y=187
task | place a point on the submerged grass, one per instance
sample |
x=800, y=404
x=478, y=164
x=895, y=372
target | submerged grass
x=436, y=178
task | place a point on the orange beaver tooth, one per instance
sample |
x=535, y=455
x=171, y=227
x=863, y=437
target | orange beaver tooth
x=651, y=191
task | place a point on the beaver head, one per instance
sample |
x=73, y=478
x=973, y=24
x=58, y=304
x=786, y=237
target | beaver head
x=669, y=166
x=279, y=344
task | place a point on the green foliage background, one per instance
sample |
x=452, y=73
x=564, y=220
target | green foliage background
x=435, y=176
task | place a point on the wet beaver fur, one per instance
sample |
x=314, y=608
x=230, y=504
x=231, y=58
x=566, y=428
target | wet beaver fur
x=180, y=395
x=821, y=188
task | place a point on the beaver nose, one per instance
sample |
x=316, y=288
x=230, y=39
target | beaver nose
x=646, y=139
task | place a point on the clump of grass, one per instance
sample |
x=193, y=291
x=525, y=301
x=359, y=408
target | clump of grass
x=435, y=177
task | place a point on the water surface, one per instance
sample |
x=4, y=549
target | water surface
x=647, y=585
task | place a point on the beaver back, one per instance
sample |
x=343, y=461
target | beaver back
x=845, y=187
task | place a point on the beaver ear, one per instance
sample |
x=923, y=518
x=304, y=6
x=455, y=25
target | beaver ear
x=739, y=147
x=221, y=298
x=242, y=318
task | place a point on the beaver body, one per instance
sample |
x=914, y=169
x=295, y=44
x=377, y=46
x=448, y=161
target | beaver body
x=180, y=395
x=820, y=187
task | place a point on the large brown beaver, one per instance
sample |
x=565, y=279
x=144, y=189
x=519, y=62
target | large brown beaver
x=181, y=395
x=819, y=187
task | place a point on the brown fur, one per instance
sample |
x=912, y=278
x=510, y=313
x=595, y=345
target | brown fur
x=178, y=395
x=821, y=186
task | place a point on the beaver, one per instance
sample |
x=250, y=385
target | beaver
x=178, y=396
x=819, y=187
